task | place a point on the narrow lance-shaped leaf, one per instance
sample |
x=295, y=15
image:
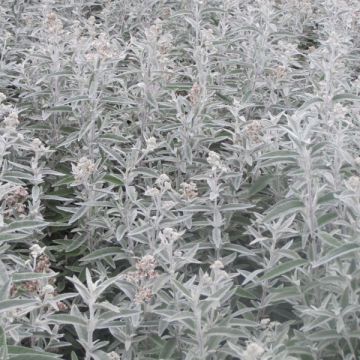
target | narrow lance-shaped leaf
x=338, y=252
x=283, y=269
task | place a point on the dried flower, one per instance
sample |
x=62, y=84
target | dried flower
x=253, y=131
x=54, y=24
x=165, y=43
x=143, y=295
x=154, y=31
x=195, y=93
x=189, y=191
x=61, y=306
x=42, y=264
x=146, y=266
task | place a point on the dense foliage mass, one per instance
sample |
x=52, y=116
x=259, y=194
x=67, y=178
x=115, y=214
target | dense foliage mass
x=180, y=179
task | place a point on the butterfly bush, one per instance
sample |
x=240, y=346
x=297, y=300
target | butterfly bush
x=180, y=179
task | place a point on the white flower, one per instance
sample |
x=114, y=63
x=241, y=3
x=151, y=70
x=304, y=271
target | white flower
x=178, y=253
x=207, y=279
x=48, y=289
x=217, y=265
x=113, y=356
x=83, y=170
x=353, y=183
x=207, y=38
x=11, y=121
x=152, y=192
x=37, y=145
x=214, y=160
x=253, y=351
x=170, y=235
x=36, y=250
x=163, y=181
x=167, y=205
x=151, y=144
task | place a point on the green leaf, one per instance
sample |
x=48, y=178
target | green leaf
x=280, y=156
x=310, y=102
x=114, y=179
x=350, y=97
x=21, y=225
x=225, y=332
x=37, y=356
x=3, y=344
x=7, y=305
x=338, y=252
x=168, y=349
x=67, y=319
x=182, y=289
x=19, y=277
x=326, y=218
x=196, y=208
x=21, y=350
x=260, y=184
x=74, y=356
x=12, y=237
x=283, y=269
x=103, y=253
x=235, y=207
x=80, y=212
x=63, y=108
x=283, y=208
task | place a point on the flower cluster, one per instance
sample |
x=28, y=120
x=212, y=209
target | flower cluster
x=162, y=184
x=353, y=183
x=253, y=351
x=254, y=130
x=169, y=235
x=113, y=356
x=145, y=271
x=15, y=202
x=83, y=170
x=214, y=160
x=189, y=191
x=101, y=48
x=11, y=121
x=151, y=144
x=195, y=93
x=54, y=24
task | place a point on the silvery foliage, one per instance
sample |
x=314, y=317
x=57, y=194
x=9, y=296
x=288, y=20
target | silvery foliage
x=179, y=179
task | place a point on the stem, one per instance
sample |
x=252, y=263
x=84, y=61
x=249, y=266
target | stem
x=91, y=328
